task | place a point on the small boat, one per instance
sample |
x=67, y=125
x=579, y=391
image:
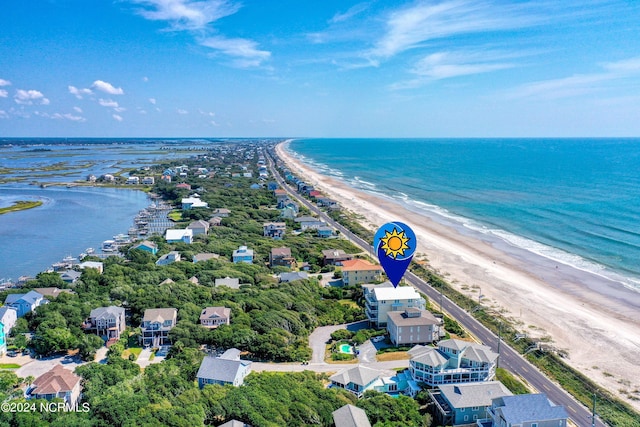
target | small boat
x=109, y=246
x=89, y=251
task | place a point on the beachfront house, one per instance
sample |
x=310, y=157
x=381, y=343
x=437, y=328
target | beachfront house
x=225, y=369
x=462, y=404
x=281, y=257
x=275, y=230
x=106, y=322
x=212, y=317
x=170, y=258
x=25, y=303
x=156, y=324
x=147, y=246
x=358, y=271
x=384, y=298
x=8, y=317
x=199, y=227
x=524, y=410
x=242, y=254
x=58, y=383
x=309, y=222
x=179, y=235
x=350, y=416
x=452, y=362
x=413, y=326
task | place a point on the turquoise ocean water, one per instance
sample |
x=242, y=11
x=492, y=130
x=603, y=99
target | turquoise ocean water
x=575, y=201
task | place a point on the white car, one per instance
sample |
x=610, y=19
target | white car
x=378, y=338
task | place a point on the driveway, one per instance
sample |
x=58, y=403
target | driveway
x=321, y=336
x=367, y=352
x=143, y=360
x=37, y=367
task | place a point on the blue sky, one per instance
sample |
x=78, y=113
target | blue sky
x=208, y=68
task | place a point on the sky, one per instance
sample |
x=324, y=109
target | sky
x=308, y=68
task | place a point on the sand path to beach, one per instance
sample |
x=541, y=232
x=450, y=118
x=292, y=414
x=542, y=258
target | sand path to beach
x=596, y=322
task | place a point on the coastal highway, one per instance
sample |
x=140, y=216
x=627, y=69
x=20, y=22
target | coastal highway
x=508, y=357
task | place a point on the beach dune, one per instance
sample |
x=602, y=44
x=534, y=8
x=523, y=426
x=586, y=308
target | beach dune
x=594, y=320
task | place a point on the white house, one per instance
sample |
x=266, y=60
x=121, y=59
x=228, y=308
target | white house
x=192, y=203
x=173, y=235
x=383, y=298
x=170, y=258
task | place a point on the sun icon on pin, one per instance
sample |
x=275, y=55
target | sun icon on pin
x=394, y=243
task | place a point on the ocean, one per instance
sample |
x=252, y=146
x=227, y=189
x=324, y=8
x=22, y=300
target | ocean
x=575, y=201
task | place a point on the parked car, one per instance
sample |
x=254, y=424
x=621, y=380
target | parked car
x=379, y=338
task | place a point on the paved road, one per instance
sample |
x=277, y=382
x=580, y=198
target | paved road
x=509, y=358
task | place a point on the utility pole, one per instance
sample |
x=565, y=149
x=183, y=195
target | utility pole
x=593, y=412
x=499, y=341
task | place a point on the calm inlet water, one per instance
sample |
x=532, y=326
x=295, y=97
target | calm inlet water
x=576, y=201
x=69, y=221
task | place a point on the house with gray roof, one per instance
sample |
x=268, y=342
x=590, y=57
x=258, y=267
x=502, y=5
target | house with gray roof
x=413, y=326
x=350, y=416
x=234, y=423
x=199, y=227
x=525, y=410
x=225, y=369
x=204, y=256
x=25, y=303
x=69, y=276
x=461, y=404
x=212, y=317
x=452, y=361
x=106, y=322
x=170, y=258
x=230, y=282
x=291, y=276
x=357, y=380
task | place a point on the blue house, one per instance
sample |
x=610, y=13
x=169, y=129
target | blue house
x=525, y=410
x=147, y=246
x=225, y=369
x=458, y=404
x=25, y=303
x=272, y=186
x=325, y=232
x=242, y=254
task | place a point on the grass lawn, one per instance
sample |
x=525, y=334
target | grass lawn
x=132, y=350
x=9, y=366
x=349, y=302
x=175, y=215
x=397, y=355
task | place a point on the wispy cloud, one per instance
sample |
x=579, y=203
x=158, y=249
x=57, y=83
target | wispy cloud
x=77, y=110
x=152, y=100
x=79, y=93
x=445, y=65
x=579, y=84
x=197, y=17
x=117, y=117
x=186, y=14
x=3, y=93
x=350, y=13
x=245, y=52
x=109, y=103
x=181, y=111
x=4, y=114
x=413, y=26
x=29, y=97
x=68, y=116
x=4, y=82
x=107, y=87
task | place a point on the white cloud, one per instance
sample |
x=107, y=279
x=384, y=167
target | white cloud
x=68, y=116
x=108, y=103
x=214, y=123
x=245, y=51
x=181, y=111
x=29, y=97
x=117, y=117
x=579, y=84
x=3, y=93
x=77, y=109
x=4, y=82
x=210, y=114
x=152, y=100
x=107, y=87
x=4, y=114
x=411, y=27
x=145, y=79
x=350, y=13
x=142, y=110
x=119, y=109
x=186, y=14
x=79, y=93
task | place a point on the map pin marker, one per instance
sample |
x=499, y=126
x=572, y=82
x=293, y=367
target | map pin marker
x=395, y=244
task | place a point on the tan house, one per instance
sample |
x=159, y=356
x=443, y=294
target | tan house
x=358, y=271
x=212, y=317
x=106, y=322
x=156, y=324
x=282, y=257
x=57, y=383
x=412, y=326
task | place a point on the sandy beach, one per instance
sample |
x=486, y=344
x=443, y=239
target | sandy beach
x=596, y=321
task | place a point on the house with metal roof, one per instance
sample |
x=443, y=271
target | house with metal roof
x=384, y=298
x=462, y=404
x=525, y=410
x=25, y=303
x=452, y=362
x=357, y=380
x=106, y=322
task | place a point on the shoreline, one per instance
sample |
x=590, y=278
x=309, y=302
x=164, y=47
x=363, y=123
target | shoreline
x=592, y=318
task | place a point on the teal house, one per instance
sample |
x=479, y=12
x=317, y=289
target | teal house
x=3, y=340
